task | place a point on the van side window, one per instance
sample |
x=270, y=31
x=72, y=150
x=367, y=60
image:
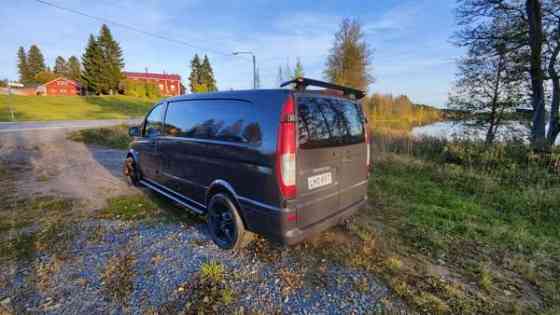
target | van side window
x=326, y=122
x=154, y=122
x=224, y=120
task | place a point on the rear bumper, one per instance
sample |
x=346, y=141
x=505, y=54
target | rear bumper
x=275, y=225
x=297, y=235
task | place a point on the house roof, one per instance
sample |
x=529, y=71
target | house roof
x=147, y=75
x=63, y=78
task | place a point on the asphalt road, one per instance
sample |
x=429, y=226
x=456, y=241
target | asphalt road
x=62, y=124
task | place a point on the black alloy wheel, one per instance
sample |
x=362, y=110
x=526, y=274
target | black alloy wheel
x=224, y=223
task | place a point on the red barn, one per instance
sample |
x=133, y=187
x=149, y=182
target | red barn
x=59, y=87
x=168, y=84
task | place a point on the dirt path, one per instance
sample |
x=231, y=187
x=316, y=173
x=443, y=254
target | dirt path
x=50, y=164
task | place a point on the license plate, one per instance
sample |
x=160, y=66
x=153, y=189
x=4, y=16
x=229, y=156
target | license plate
x=319, y=180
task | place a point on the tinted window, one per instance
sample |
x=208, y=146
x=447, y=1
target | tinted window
x=224, y=120
x=325, y=122
x=154, y=122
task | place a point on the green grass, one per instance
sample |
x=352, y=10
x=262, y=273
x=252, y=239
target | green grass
x=50, y=220
x=41, y=108
x=452, y=225
x=443, y=203
x=113, y=137
x=146, y=207
x=133, y=207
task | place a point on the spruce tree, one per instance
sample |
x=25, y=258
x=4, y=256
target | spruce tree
x=113, y=61
x=92, y=62
x=23, y=68
x=298, y=71
x=194, y=77
x=35, y=62
x=60, y=66
x=73, y=68
x=207, y=75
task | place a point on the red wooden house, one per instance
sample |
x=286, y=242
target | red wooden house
x=59, y=87
x=168, y=84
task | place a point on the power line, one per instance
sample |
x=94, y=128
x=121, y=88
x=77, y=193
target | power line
x=132, y=28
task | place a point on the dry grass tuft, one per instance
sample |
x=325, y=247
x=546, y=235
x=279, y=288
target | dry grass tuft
x=118, y=277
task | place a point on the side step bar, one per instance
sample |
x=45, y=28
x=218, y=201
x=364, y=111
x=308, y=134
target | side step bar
x=172, y=197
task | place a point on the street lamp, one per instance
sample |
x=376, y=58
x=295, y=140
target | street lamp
x=254, y=64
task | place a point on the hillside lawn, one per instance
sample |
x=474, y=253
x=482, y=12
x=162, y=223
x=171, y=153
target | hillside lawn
x=38, y=108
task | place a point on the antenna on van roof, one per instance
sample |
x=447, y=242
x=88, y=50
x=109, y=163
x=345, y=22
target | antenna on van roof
x=302, y=83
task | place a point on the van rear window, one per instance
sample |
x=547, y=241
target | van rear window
x=326, y=122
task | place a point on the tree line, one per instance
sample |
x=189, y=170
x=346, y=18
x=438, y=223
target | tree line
x=202, y=76
x=390, y=112
x=512, y=58
x=99, y=71
x=32, y=68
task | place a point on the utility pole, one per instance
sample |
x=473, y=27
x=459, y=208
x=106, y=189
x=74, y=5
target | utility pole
x=254, y=72
x=254, y=64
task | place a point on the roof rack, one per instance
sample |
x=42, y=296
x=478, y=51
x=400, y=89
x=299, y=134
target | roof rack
x=302, y=83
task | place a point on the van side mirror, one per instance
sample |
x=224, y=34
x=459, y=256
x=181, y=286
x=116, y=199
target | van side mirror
x=134, y=132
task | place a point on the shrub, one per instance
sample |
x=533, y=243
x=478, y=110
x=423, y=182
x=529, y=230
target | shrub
x=139, y=88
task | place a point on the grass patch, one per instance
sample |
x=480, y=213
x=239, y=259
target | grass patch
x=209, y=292
x=134, y=207
x=19, y=248
x=50, y=222
x=113, y=137
x=72, y=107
x=149, y=206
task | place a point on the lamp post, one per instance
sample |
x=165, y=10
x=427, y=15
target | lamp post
x=254, y=64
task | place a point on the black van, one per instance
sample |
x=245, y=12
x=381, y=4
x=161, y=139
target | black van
x=282, y=163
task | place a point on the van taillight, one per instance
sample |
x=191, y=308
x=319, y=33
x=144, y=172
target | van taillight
x=286, y=150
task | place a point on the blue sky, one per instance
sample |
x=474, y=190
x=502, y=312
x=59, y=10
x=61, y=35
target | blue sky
x=410, y=38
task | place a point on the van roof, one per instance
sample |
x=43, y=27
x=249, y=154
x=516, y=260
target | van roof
x=255, y=93
x=237, y=94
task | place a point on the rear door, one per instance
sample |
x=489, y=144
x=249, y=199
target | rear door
x=319, y=161
x=353, y=179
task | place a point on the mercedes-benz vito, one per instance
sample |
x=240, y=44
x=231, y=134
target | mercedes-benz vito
x=282, y=163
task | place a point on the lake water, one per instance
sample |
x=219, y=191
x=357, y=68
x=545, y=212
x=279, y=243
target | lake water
x=461, y=130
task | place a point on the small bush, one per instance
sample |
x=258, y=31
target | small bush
x=209, y=292
x=212, y=271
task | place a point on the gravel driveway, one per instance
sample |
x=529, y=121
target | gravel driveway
x=165, y=255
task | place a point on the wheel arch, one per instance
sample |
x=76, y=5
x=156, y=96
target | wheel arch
x=132, y=153
x=222, y=186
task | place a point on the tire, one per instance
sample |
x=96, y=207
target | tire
x=130, y=170
x=225, y=225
